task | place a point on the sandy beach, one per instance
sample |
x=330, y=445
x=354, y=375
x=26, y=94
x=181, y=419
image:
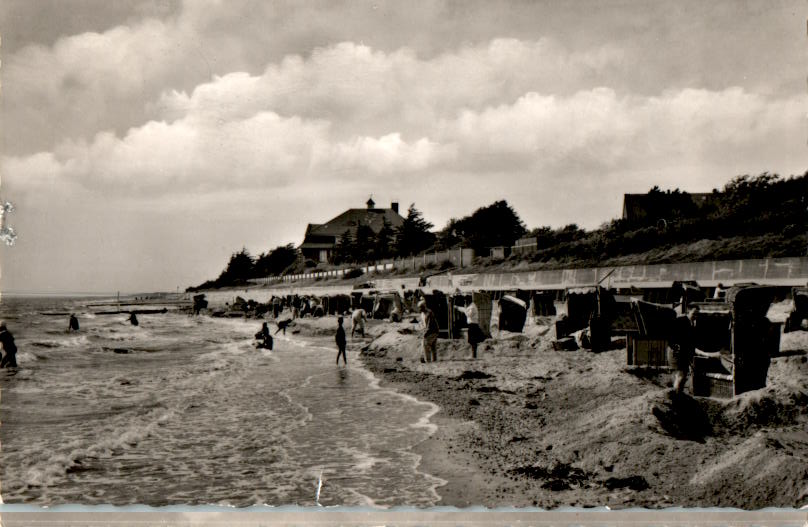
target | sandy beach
x=525, y=425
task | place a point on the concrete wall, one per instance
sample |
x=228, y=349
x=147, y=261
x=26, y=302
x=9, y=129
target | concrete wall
x=771, y=271
x=767, y=271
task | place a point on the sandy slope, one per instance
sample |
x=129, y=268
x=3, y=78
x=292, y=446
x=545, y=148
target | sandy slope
x=529, y=426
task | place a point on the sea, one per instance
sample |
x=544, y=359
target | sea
x=184, y=410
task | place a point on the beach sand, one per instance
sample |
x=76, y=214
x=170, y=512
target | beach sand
x=525, y=425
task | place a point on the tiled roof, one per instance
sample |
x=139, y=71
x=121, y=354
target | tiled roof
x=352, y=218
x=636, y=205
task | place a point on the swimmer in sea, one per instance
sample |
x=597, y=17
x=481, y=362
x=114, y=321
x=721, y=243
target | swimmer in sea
x=263, y=337
x=9, y=348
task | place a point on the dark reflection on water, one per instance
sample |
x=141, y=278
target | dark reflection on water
x=343, y=377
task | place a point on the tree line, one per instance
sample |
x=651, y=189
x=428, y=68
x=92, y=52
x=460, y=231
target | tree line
x=766, y=205
x=766, y=209
x=242, y=266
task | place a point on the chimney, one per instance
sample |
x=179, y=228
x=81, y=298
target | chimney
x=394, y=206
x=370, y=203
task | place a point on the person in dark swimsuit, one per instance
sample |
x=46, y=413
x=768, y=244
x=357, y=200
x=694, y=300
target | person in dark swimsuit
x=341, y=342
x=264, y=338
x=9, y=348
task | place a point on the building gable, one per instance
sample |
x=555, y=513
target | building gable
x=637, y=207
x=320, y=239
x=353, y=218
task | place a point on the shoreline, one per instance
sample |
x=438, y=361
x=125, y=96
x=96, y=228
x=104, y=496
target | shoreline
x=527, y=426
x=468, y=484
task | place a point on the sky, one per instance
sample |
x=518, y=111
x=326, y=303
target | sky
x=145, y=141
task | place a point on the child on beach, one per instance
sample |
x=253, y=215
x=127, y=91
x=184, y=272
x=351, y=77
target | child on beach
x=358, y=322
x=340, y=338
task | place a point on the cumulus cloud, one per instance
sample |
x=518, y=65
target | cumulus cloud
x=236, y=142
x=385, y=155
x=262, y=150
x=359, y=87
x=112, y=80
x=505, y=107
x=604, y=130
x=344, y=109
x=92, y=81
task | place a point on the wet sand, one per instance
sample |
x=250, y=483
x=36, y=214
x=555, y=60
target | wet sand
x=525, y=425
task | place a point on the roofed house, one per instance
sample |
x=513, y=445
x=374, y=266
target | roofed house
x=656, y=204
x=320, y=239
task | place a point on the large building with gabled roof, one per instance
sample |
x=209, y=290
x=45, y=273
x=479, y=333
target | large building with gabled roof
x=320, y=239
x=638, y=207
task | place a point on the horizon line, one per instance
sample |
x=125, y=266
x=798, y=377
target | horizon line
x=79, y=293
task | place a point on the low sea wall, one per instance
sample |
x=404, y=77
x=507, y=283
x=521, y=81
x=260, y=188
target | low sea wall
x=764, y=271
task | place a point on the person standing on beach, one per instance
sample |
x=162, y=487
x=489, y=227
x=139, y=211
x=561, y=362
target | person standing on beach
x=295, y=307
x=682, y=348
x=475, y=334
x=133, y=319
x=431, y=331
x=341, y=342
x=358, y=322
x=9, y=348
x=295, y=303
x=73, y=324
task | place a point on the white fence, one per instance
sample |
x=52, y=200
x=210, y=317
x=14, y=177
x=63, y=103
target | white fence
x=458, y=258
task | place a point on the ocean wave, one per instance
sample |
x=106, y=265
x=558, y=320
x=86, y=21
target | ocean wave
x=27, y=357
x=195, y=402
x=45, y=344
x=72, y=341
x=51, y=470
